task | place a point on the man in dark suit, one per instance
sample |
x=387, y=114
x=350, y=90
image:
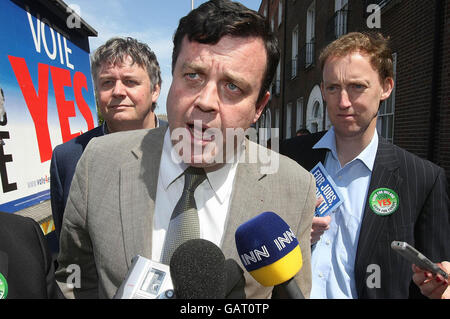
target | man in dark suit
x=127, y=80
x=26, y=267
x=389, y=194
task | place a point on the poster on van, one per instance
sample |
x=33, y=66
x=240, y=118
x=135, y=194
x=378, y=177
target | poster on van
x=46, y=98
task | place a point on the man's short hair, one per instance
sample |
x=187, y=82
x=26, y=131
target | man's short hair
x=375, y=45
x=218, y=18
x=115, y=50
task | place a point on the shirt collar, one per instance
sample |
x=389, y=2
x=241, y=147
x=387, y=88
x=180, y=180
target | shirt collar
x=367, y=156
x=105, y=128
x=106, y=131
x=172, y=167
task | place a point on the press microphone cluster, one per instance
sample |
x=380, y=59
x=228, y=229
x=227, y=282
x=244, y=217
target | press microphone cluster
x=270, y=252
x=198, y=270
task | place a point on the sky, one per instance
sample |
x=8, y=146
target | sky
x=150, y=21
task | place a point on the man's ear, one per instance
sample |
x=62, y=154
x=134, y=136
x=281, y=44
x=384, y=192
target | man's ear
x=388, y=86
x=260, y=105
x=155, y=93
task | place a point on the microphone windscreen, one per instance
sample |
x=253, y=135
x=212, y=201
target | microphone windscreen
x=197, y=269
x=268, y=249
x=235, y=282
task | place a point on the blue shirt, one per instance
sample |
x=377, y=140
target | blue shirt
x=333, y=256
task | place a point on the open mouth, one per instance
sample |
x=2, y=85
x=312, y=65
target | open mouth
x=200, y=132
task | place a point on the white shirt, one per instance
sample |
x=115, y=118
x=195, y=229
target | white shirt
x=212, y=198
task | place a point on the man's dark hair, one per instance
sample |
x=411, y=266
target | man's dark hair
x=217, y=18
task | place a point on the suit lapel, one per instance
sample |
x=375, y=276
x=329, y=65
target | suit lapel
x=248, y=194
x=4, y=264
x=138, y=184
x=246, y=185
x=246, y=199
x=384, y=174
x=316, y=156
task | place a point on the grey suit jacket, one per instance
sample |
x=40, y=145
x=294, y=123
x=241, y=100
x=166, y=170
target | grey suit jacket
x=109, y=212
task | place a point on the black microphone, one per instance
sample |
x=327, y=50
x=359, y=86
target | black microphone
x=197, y=269
x=235, y=282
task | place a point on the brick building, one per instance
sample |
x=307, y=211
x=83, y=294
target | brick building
x=416, y=116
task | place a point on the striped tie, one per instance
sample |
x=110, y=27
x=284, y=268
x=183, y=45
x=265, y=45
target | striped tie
x=184, y=224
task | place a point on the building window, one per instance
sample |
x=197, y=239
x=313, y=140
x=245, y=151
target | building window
x=294, y=52
x=280, y=12
x=299, y=116
x=386, y=113
x=278, y=80
x=310, y=33
x=288, y=119
x=316, y=110
x=265, y=127
x=340, y=17
x=316, y=118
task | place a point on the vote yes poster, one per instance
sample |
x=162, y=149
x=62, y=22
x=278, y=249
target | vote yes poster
x=46, y=98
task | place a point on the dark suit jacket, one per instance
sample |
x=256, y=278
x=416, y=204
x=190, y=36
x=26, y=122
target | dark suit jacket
x=422, y=218
x=25, y=260
x=62, y=168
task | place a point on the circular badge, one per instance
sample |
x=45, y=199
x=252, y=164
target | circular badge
x=384, y=201
x=3, y=287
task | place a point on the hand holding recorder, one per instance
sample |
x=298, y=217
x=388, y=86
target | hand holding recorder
x=432, y=278
x=432, y=286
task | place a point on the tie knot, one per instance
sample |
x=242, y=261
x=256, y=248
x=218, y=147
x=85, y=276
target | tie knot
x=193, y=176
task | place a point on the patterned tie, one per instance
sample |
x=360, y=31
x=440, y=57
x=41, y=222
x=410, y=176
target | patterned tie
x=184, y=224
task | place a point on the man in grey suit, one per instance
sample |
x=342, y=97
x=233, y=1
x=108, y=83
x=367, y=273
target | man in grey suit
x=126, y=185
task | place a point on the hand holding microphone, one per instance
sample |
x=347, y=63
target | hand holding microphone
x=270, y=252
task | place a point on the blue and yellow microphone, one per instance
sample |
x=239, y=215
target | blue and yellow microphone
x=270, y=252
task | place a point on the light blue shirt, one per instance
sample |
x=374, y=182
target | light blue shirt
x=333, y=257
